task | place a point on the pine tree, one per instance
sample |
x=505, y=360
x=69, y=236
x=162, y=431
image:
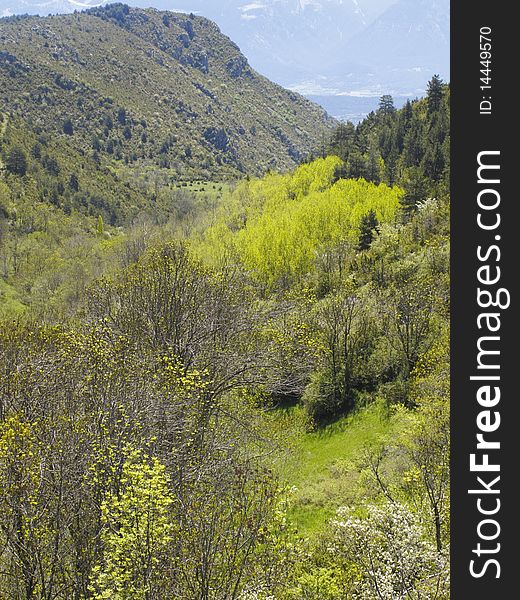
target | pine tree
x=67, y=127
x=414, y=143
x=435, y=93
x=74, y=182
x=433, y=162
x=342, y=141
x=357, y=165
x=386, y=105
x=415, y=190
x=374, y=166
x=121, y=116
x=367, y=227
x=407, y=111
x=391, y=167
x=16, y=162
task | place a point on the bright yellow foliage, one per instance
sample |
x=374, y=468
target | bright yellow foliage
x=279, y=224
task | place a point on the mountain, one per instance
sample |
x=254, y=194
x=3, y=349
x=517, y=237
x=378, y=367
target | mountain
x=415, y=32
x=339, y=47
x=319, y=46
x=274, y=34
x=141, y=89
x=401, y=49
x=335, y=47
x=287, y=40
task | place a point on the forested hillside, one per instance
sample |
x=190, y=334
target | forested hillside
x=227, y=389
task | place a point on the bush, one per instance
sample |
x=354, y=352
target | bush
x=68, y=128
x=16, y=162
x=391, y=553
x=321, y=398
x=395, y=392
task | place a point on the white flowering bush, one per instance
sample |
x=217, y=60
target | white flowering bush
x=256, y=593
x=389, y=547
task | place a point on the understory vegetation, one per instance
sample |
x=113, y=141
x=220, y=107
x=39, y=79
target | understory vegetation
x=242, y=393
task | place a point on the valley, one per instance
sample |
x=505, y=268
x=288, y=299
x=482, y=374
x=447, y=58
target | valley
x=224, y=323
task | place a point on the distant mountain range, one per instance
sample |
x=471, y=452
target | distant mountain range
x=321, y=47
x=399, y=51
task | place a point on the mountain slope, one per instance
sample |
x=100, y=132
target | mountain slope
x=145, y=88
x=275, y=35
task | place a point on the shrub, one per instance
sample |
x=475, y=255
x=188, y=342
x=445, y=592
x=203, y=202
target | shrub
x=16, y=162
x=321, y=398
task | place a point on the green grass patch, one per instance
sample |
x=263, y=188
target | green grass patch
x=324, y=468
x=210, y=188
x=10, y=305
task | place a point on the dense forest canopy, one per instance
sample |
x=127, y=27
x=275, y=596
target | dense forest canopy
x=175, y=356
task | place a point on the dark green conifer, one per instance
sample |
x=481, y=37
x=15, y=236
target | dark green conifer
x=435, y=93
x=367, y=227
x=17, y=161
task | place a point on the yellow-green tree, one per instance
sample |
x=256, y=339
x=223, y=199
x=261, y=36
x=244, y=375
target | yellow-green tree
x=280, y=225
x=137, y=532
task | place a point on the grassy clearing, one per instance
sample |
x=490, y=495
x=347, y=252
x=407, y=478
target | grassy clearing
x=10, y=304
x=151, y=177
x=207, y=188
x=324, y=469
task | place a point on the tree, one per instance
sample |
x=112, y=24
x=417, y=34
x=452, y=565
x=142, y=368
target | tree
x=137, y=533
x=121, y=116
x=373, y=169
x=342, y=330
x=232, y=530
x=357, y=165
x=19, y=501
x=36, y=151
x=67, y=127
x=96, y=143
x=386, y=105
x=434, y=94
x=74, y=182
x=342, y=140
x=391, y=167
x=393, y=558
x=118, y=456
x=51, y=165
x=367, y=227
x=408, y=307
x=414, y=143
x=16, y=162
x=416, y=187
x=100, y=228
x=407, y=112
x=427, y=439
x=170, y=300
x=433, y=162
